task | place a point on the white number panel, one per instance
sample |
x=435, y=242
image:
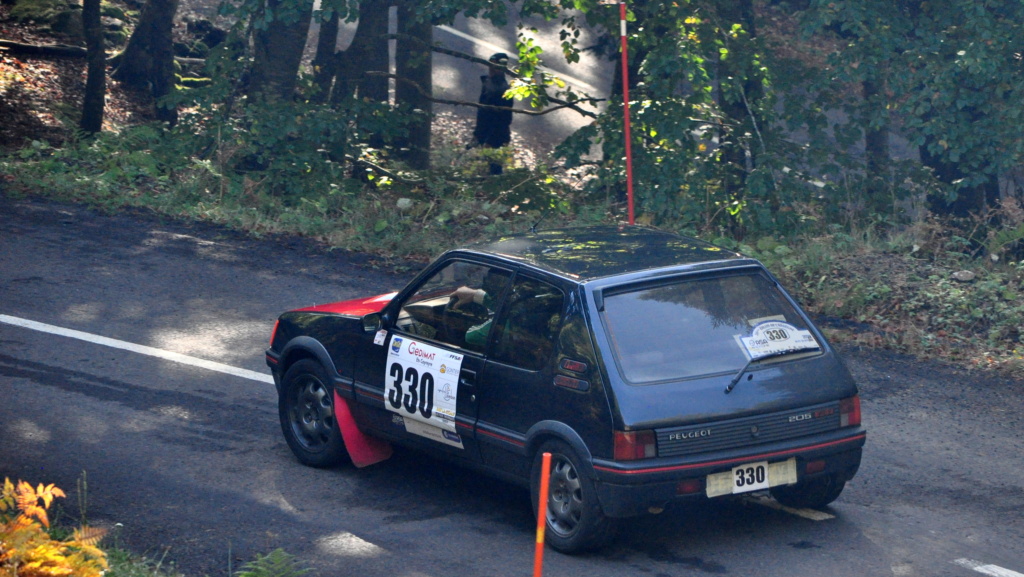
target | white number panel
x=775, y=336
x=421, y=382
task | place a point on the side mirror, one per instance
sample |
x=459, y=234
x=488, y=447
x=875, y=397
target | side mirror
x=372, y=322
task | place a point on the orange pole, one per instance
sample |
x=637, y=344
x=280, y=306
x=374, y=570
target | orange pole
x=542, y=507
x=625, y=109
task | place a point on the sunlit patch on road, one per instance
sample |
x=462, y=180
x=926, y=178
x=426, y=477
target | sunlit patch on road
x=766, y=501
x=348, y=545
x=986, y=568
x=28, y=432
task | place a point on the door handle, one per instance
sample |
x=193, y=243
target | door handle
x=467, y=378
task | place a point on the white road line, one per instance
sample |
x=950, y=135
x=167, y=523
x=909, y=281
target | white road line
x=987, y=569
x=593, y=90
x=140, y=349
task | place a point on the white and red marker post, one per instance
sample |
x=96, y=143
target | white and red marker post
x=625, y=108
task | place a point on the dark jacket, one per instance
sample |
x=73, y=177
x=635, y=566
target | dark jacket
x=492, y=125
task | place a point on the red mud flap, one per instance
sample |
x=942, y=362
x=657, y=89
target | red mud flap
x=363, y=449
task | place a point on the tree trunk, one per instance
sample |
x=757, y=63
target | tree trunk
x=323, y=62
x=367, y=53
x=96, y=79
x=277, y=51
x=737, y=152
x=414, y=68
x=876, y=147
x=137, y=65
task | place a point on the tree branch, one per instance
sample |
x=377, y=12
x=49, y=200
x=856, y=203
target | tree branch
x=457, y=54
x=561, y=103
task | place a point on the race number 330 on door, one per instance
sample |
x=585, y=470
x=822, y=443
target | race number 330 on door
x=422, y=382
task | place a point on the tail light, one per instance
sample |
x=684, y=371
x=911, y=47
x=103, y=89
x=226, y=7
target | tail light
x=273, y=333
x=633, y=445
x=849, y=412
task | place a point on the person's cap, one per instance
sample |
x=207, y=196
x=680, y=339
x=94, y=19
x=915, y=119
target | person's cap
x=500, y=59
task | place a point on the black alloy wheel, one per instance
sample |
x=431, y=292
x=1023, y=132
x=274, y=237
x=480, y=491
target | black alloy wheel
x=306, y=410
x=575, y=521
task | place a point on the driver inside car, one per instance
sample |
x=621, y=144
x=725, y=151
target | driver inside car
x=493, y=284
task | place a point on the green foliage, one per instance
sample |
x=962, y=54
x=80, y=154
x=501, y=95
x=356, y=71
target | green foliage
x=700, y=103
x=949, y=70
x=125, y=564
x=38, y=10
x=277, y=563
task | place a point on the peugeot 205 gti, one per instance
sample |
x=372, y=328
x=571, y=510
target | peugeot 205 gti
x=654, y=368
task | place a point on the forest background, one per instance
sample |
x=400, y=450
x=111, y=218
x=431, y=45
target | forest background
x=869, y=152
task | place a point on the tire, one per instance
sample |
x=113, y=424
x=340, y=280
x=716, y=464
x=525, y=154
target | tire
x=575, y=521
x=811, y=493
x=306, y=409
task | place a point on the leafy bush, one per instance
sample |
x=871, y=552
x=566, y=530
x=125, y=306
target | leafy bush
x=28, y=550
x=277, y=563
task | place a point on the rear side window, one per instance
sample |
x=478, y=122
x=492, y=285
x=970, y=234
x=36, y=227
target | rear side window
x=529, y=324
x=700, y=326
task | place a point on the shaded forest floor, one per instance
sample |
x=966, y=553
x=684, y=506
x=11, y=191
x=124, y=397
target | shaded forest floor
x=41, y=96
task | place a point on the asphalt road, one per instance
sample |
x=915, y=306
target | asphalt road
x=185, y=460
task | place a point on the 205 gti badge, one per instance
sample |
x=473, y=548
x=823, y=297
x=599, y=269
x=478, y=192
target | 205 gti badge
x=414, y=372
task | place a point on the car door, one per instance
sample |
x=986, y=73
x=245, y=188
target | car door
x=517, y=389
x=418, y=383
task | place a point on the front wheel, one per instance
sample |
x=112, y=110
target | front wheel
x=306, y=410
x=811, y=493
x=574, y=518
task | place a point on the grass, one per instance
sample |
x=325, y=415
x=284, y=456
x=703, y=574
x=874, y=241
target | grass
x=123, y=563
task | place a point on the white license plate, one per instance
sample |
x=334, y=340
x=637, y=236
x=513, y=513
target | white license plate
x=751, y=477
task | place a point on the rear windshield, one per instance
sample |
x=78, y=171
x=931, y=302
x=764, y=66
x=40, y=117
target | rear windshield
x=701, y=326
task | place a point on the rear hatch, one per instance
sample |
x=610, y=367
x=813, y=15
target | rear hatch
x=716, y=361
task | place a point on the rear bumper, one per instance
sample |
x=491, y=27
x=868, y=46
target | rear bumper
x=631, y=488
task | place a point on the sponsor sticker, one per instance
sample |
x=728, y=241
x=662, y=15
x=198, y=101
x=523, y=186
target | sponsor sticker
x=433, y=433
x=776, y=336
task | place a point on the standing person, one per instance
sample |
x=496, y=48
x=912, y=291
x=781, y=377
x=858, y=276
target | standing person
x=492, y=124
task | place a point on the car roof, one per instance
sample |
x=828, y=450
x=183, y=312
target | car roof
x=589, y=253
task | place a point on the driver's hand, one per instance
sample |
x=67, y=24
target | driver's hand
x=464, y=294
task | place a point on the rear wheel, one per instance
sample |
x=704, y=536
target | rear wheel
x=574, y=518
x=810, y=493
x=306, y=410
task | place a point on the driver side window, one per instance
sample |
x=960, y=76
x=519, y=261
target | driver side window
x=455, y=305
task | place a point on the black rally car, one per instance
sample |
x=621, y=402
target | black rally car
x=653, y=367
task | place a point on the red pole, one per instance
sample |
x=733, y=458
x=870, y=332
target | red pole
x=625, y=109
x=542, y=517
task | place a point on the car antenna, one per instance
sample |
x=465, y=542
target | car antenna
x=533, y=228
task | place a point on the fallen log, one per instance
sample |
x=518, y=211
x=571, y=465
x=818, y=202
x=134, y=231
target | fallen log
x=42, y=49
x=75, y=51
